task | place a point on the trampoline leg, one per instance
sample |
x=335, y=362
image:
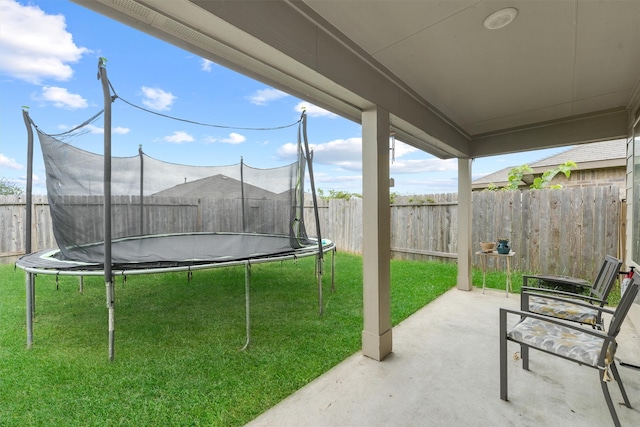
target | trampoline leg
x=320, y=303
x=111, y=310
x=247, y=292
x=29, y=291
x=333, y=270
x=81, y=284
x=319, y=261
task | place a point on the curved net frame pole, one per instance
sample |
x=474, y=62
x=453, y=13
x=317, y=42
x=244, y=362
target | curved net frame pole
x=319, y=258
x=108, y=276
x=29, y=283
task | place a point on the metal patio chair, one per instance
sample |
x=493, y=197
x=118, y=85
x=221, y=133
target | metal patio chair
x=575, y=307
x=570, y=341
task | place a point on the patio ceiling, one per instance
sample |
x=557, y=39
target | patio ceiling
x=563, y=72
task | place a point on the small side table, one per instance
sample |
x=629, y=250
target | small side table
x=506, y=257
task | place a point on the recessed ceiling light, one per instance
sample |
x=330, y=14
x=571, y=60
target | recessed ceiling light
x=500, y=18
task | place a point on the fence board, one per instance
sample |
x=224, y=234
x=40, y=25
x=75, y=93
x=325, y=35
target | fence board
x=534, y=242
x=565, y=248
x=524, y=247
x=553, y=232
x=588, y=227
x=577, y=227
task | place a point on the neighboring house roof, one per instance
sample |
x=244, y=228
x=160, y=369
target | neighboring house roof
x=220, y=186
x=495, y=177
x=596, y=152
x=595, y=155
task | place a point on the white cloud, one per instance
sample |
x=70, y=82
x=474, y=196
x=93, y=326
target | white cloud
x=206, y=65
x=35, y=180
x=178, y=137
x=120, y=130
x=346, y=153
x=61, y=98
x=35, y=46
x=324, y=178
x=423, y=165
x=94, y=129
x=426, y=185
x=8, y=162
x=157, y=98
x=264, y=96
x=117, y=130
x=288, y=151
x=314, y=111
x=403, y=149
x=234, y=138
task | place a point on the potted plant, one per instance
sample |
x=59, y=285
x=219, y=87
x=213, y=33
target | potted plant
x=503, y=246
x=487, y=247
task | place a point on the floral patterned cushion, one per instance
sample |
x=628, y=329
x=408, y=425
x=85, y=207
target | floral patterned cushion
x=574, y=344
x=563, y=310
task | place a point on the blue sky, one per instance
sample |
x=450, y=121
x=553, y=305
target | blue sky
x=49, y=51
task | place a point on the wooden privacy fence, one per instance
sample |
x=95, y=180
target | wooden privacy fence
x=567, y=231
x=13, y=226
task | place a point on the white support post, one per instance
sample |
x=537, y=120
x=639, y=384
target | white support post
x=377, y=333
x=465, y=216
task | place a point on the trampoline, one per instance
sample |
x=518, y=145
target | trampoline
x=165, y=217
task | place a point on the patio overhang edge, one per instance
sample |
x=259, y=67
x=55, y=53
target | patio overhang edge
x=599, y=126
x=307, y=67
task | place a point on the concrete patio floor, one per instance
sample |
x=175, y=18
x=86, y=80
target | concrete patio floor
x=444, y=372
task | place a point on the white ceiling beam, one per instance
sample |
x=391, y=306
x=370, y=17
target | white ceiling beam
x=601, y=126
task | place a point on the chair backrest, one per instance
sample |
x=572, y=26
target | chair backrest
x=623, y=307
x=606, y=277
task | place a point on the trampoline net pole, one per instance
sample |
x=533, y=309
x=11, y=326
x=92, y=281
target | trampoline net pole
x=319, y=260
x=244, y=217
x=108, y=276
x=29, y=200
x=27, y=235
x=141, y=189
x=313, y=185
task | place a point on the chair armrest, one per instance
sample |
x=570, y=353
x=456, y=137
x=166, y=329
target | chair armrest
x=524, y=314
x=525, y=299
x=563, y=293
x=564, y=280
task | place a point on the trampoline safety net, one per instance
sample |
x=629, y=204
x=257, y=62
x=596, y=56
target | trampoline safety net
x=151, y=198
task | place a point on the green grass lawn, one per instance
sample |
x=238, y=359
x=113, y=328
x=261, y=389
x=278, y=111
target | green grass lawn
x=177, y=342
